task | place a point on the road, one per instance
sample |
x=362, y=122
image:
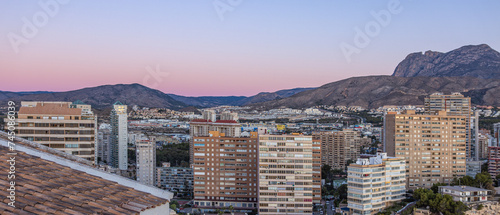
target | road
x=328, y=211
x=329, y=207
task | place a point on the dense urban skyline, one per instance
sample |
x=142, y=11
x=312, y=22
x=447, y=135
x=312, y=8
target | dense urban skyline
x=219, y=49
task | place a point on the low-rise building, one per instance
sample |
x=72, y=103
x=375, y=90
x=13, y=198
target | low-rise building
x=375, y=183
x=465, y=194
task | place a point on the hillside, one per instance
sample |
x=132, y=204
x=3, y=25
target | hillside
x=212, y=101
x=377, y=91
x=103, y=97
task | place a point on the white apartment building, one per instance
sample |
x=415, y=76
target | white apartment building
x=119, y=137
x=375, y=183
x=285, y=174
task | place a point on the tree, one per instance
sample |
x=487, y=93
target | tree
x=438, y=203
x=423, y=196
x=464, y=181
x=219, y=212
x=435, y=187
x=484, y=167
x=337, y=172
x=231, y=208
x=174, y=205
x=479, y=207
x=483, y=180
x=341, y=192
x=326, y=172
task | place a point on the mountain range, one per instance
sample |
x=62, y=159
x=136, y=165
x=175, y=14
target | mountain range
x=103, y=97
x=377, y=91
x=473, y=70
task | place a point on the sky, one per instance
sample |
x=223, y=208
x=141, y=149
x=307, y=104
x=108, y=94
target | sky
x=226, y=47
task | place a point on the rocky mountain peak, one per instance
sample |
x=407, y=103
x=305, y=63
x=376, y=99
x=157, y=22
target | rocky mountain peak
x=473, y=61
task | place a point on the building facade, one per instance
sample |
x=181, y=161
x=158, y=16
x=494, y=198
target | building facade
x=338, y=147
x=433, y=145
x=285, y=174
x=175, y=179
x=484, y=141
x=375, y=184
x=473, y=167
x=146, y=160
x=66, y=126
x=103, y=143
x=119, y=137
x=494, y=161
x=455, y=104
x=224, y=166
x=496, y=134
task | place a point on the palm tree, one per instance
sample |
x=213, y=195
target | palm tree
x=231, y=208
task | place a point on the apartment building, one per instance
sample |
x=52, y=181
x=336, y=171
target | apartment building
x=202, y=127
x=455, y=104
x=338, y=147
x=496, y=134
x=316, y=150
x=175, y=179
x=146, y=160
x=375, y=184
x=494, y=161
x=433, y=145
x=66, y=126
x=103, y=142
x=484, y=141
x=119, y=137
x=224, y=166
x=465, y=194
x=285, y=174
x=473, y=167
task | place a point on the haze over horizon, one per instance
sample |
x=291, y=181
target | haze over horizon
x=189, y=49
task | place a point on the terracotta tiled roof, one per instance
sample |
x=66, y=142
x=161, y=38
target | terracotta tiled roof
x=50, y=108
x=46, y=187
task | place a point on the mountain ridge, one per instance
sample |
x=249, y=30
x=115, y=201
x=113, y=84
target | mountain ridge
x=479, y=61
x=377, y=91
x=104, y=96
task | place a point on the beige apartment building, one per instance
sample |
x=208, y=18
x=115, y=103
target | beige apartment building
x=455, y=104
x=375, y=184
x=285, y=174
x=433, y=145
x=66, y=126
x=338, y=147
x=224, y=166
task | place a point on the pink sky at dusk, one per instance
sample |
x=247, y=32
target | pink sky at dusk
x=260, y=46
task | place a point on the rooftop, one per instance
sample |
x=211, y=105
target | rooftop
x=218, y=121
x=50, y=109
x=51, y=183
x=464, y=188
